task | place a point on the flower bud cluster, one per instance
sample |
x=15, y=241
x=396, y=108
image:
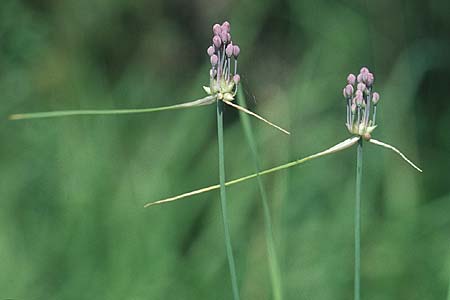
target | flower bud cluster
x=223, y=56
x=361, y=103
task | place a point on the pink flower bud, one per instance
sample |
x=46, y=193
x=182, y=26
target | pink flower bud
x=210, y=50
x=226, y=26
x=353, y=108
x=214, y=59
x=229, y=50
x=358, y=97
x=359, y=78
x=217, y=29
x=236, y=51
x=224, y=37
x=348, y=91
x=375, y=98
x=351, y=79
x=217, y=41
x=370, y=78
x=361, y=87
x=364, y=70
x=236, y=78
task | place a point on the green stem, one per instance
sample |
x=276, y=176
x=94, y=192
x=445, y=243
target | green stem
x=275, y=276
x=223, y=202
x=359, y=161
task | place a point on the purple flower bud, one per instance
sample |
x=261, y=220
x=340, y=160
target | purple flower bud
x=364, y=70
x=210, y=50
x=217, y=29
x=229, y=50
x=214, y=59
x=370, y=78
x=358, y=97
x=224, y=37
x=236, y=79
x=226, y=26
x=351, y=79
x=359, y=78
x=375, y=98
x=236, y=51
x=361, y=86
x=348, y=91
x=217, y=41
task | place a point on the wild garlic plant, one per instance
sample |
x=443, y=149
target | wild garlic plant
x=222, y=89
x=361, y=116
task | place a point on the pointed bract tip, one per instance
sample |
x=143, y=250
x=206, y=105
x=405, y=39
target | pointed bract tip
x=15, y=117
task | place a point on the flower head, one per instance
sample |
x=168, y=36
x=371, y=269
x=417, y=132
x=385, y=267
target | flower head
x=361, y=103
x=223, y=57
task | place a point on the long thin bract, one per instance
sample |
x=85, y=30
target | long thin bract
x=255, y=115
x=336, y=148
x=63, y=113
x=376, y=142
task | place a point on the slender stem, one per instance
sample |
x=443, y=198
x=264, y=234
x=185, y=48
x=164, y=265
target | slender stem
x=274, y=268
x=223, y=202
x=359, y=160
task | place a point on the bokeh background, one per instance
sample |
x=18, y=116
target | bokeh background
x=72, y=222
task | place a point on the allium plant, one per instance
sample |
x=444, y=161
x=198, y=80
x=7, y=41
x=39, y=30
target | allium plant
x=222, y=89
x=361, y=116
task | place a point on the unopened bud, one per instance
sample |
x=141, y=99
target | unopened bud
x=216, y=29
x=229, y=50
x=353, y=108
x=358, y=97
x=351, y=79
x=236, y=51
x=214, y=59
x=236, y=79
x=359, y=78
x=361, y=86
x=210, y=50
x=212, y=73
x=224, y=37
x=369, y=80
x=348, y=91
x=364, y=70
x=226, y=26
x=375, y=98
x=217, y=41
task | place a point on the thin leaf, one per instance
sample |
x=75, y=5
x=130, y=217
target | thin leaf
x=336, y=148
x=255, y=115
x=274, y=267
x=52, y=114
x=376, y=142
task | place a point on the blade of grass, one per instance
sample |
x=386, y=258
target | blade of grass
x=274, y=268
x=376, y=142
x=336, y=148
x=64, y=113
x=359, y=160
x=223, y=202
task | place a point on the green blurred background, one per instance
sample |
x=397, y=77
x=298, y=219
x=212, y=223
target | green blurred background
x=72, y=222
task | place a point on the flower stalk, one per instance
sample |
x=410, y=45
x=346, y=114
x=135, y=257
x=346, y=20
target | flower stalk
x=223, y=202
